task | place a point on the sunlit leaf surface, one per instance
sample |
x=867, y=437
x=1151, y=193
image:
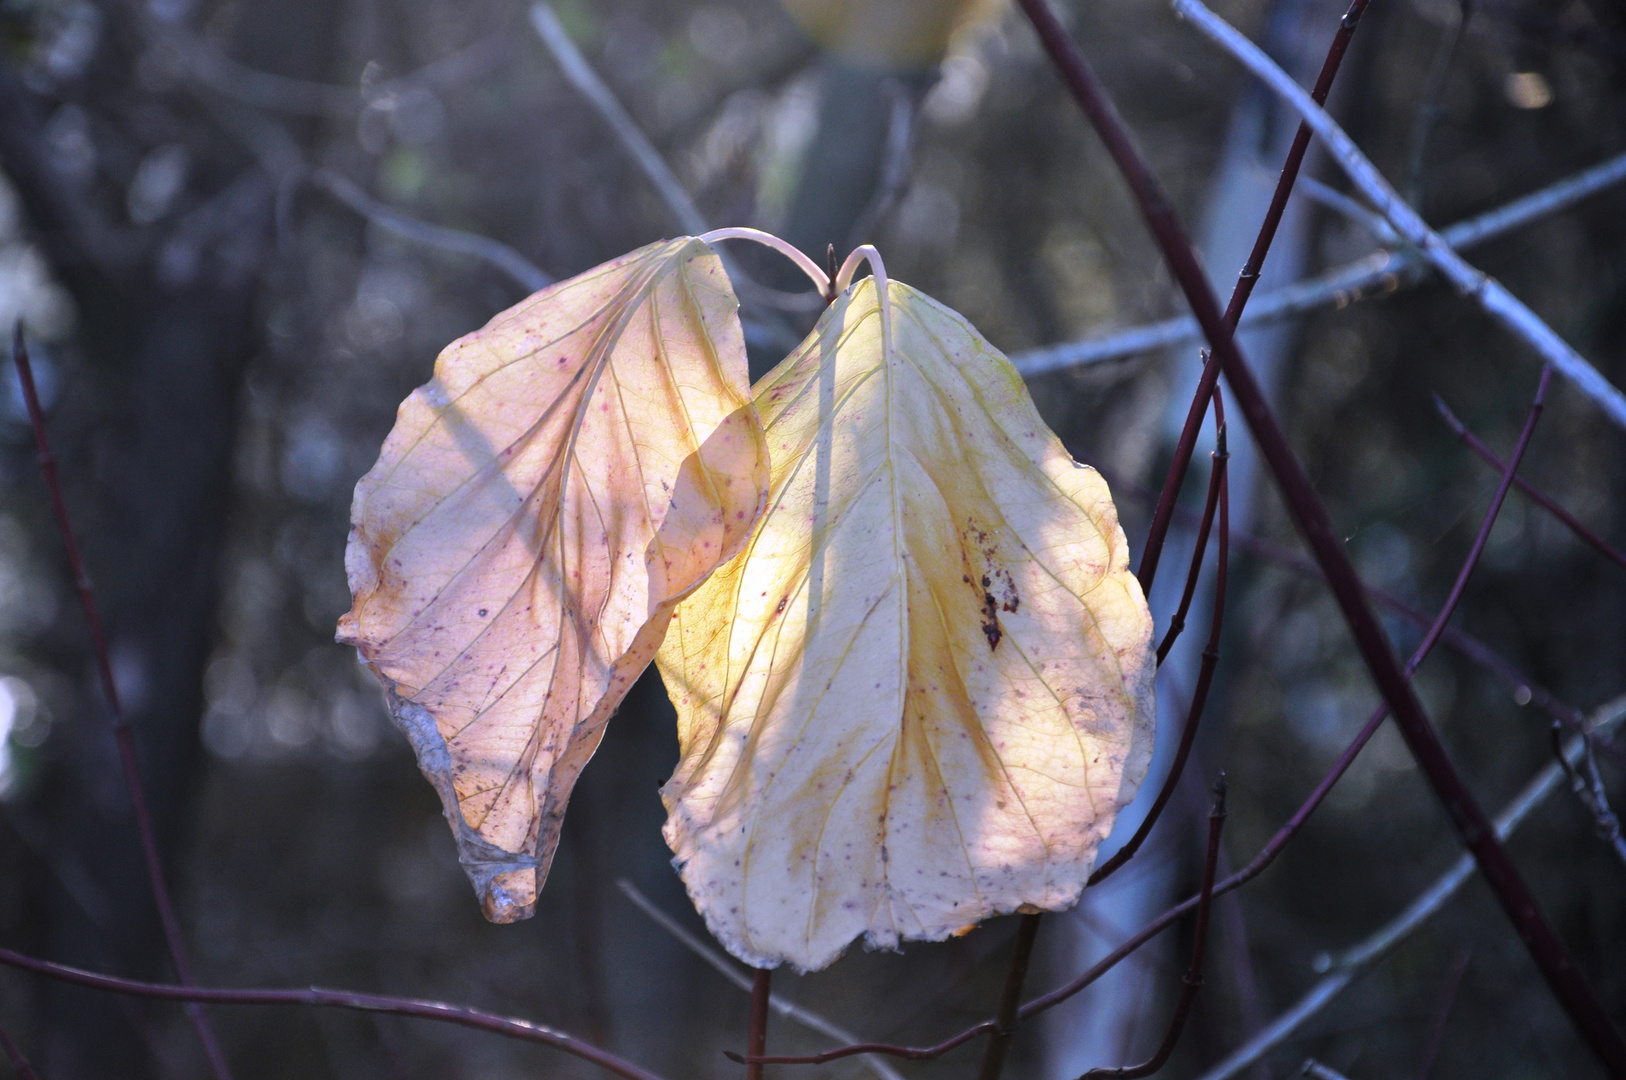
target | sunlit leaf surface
x=569, y=473
x=921, y=693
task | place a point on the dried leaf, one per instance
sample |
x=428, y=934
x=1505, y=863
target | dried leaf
x=567, y=475
x=919, y=696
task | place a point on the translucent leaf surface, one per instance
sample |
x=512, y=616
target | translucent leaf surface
x=569, y=473
x=920, y=695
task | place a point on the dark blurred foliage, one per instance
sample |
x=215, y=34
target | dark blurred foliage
x=223, y=344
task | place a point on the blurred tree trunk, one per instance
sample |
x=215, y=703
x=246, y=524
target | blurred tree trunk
x=166, y=324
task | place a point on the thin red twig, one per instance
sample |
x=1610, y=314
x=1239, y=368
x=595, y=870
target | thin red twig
x=25, y=1071
x=1010, y=999
x=523, y=1030
x=122, y=734
x=1548, y=951
x=1526, y=691
x=1448, y=998
x=1598, y=543
x=1219, y=489
x=1216, y=475
x=756, y=1038
x=1193, y=980
x=1245, y=281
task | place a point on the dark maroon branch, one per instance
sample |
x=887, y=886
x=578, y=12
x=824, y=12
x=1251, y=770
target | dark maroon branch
x=1219, y=490
x=1245, y=281
x=122, y=734
x=756, y=1038
x=1193, y=980
x=1216, y=476
x=523, y=1030
x=24, y=1070
x=1597, y=542
x=1472, y=824
x=1010, y=999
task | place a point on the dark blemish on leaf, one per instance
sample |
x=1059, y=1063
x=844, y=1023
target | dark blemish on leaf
x=781, y=606
x=481, y=613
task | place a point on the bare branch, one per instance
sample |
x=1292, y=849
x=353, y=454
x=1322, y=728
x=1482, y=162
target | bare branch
x=25, y=1071
x=590, y=86
x=1490, y=294
x=1343, y=969
x=1194, y=976
x=1317, y=1071
x=523, y=1030
x=526, y=273
x=1378, y=273
x=209, y=67
x=123, y=738
x=1598, y=543
x=726, y=967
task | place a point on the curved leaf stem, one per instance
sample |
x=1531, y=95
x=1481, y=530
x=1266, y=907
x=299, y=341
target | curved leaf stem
x=803, y=261
x=122, y=735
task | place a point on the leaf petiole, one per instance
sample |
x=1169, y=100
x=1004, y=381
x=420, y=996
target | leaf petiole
x=820, y=279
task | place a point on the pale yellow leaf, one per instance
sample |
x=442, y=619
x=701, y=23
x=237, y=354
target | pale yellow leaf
x=543, y=502
x=919, y=696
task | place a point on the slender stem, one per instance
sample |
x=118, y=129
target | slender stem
x=1219, y=488
x=756, y=1038
x=730, y=970
x=637, y=145
x=803, y=261
x=1598, y=543
x=24, y=1070
x=1591, y=795
x=1194, y=977
x=1543, y=944
x=1241, y=292
x=527, y=274
x=1428, y=115
x=1525, y=691
x=1216, y=477
x=122, y=735
x=1010, y=999
x=1442, y=1013
x=524, y=1030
